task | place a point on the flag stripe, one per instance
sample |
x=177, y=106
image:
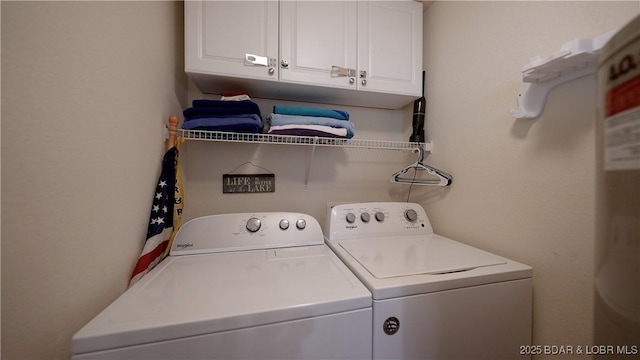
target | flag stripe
x=153, y=248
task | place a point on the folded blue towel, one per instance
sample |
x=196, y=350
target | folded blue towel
x=214, y=108
x=243, y=123
x=310, y=111
x=279, y=119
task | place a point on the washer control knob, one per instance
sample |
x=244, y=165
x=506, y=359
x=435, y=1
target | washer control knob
x=253, y=224
x=365, y=217
x=301, y=224
x=411, y=215
x=350, y=218
x=379, y=216
x=284, y=224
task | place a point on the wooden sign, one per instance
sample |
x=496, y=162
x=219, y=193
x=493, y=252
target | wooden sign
x=253, y=183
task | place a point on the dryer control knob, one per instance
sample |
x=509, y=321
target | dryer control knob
x=301, y=224
x=380, y=216
x=365, y=217
x=411, y=215
x=253, y=224
x=350, y=218
x=284, y=224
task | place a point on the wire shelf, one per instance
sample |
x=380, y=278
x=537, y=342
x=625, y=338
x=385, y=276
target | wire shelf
x=222, y=136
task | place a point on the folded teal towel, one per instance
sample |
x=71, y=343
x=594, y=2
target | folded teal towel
x=310, y=111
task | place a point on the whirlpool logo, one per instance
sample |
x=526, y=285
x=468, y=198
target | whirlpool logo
x=391, y=325
x=351, y=227
x=184, y=246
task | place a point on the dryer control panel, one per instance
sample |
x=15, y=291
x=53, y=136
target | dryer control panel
x=376, y=219
x=246, y=231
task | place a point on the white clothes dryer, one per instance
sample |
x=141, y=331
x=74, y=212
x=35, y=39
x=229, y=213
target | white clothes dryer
x=238, y=286
x=433, y=297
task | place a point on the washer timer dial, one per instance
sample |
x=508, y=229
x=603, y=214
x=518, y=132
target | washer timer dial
x=253, y=224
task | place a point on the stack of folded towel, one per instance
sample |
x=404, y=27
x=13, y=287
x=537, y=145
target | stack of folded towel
x=233, y=114
x=309, y=121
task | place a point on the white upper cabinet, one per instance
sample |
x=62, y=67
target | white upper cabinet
x=390, y=47
x=316, y=37
x=238, y=38
x=362, y=53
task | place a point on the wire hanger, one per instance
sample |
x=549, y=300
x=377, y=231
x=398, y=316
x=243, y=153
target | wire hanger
x=249, y=163
x=441, y=177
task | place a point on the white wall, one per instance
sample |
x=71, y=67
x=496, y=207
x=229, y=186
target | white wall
x=86, y=87
x=522, y=188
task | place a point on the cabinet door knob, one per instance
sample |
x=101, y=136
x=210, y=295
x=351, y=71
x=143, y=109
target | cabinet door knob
x=364, y=82
x=271, y=71
x=352, y=80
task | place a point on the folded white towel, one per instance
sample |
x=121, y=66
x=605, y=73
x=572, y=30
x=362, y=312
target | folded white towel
x=235, y=98
x=341, y=132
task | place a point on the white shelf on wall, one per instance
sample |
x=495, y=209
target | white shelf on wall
x=222, y=136
x=313, y=141
x=574, y=60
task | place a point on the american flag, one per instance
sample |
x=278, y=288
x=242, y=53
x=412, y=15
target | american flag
x=166, y=212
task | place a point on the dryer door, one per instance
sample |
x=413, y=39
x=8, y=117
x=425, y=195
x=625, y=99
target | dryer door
x=480, y=322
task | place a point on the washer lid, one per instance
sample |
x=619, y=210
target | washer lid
x=200, y=294
x=413, y=255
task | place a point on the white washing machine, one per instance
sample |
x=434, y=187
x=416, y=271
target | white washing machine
x=433, y=297
x=238, y=286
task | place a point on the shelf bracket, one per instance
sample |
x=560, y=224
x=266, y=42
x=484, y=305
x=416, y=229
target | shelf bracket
x=309, y=161
x=576, y=59
x=532, y=97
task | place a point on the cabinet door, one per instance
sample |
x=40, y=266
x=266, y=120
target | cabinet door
x=390, y=47
x=314, y=37
x=220, y=34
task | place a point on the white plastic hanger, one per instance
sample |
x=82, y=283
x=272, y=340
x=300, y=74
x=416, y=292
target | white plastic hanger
x=441, y=177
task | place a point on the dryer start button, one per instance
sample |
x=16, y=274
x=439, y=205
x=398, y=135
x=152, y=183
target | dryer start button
x=411, y=215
